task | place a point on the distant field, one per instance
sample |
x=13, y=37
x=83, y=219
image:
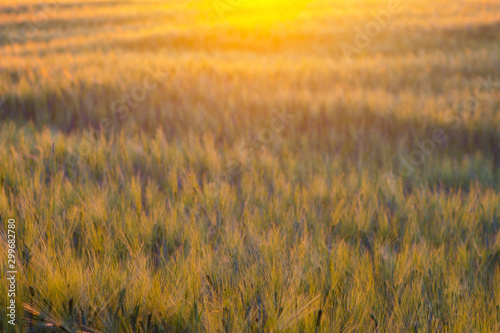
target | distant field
x=206, y=166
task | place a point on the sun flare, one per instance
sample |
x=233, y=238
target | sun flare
x=254, y=13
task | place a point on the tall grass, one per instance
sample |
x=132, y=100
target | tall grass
x=257, y=187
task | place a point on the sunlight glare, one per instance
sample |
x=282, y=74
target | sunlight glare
x=256, y=13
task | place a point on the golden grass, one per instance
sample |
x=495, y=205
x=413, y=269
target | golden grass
x=257, y=186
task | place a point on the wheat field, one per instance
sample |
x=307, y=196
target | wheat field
x=251, y=166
